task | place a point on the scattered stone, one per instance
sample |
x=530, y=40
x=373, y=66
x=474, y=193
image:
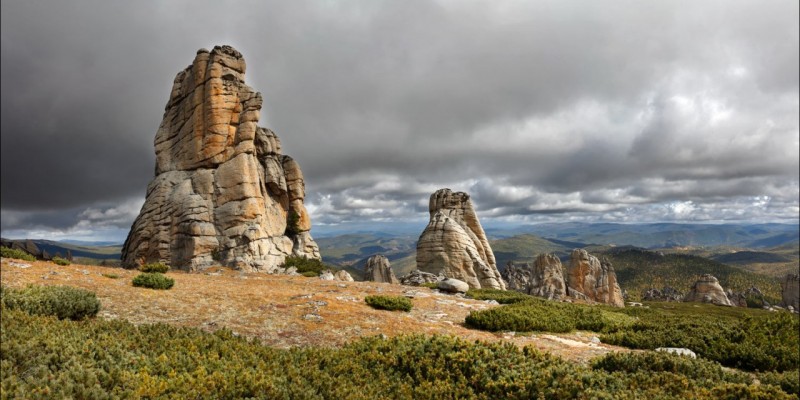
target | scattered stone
x=312, y=317
x=454, y=243
x=19, y=264
x=595, y=340
x=302, y=296
x=708, y=290
x=318, y=303
x=411, y=294
x=677, y=350
x=223, y=192
x=452, y=285
x=634, y=304
x=417, y=278
x=492, y=302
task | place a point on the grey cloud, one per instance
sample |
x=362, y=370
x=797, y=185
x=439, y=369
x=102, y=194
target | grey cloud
x=542, y=110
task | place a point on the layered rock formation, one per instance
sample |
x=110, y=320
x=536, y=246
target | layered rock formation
x=593, y=279
x=708, y=290
x=790, y=291
x=223, y=192
x=378, y=269
x=417, y=278
x=454, y=243
x=547, y=278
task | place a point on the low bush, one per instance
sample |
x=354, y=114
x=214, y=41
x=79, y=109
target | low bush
x=59, y=301
x=430, y=285
x=48, y=358
x=60, y=261
x=310, y=267
x=788, y=381
x=391, y=303
x=154, y=267
x=6, y=252
x=501, y=296
x=111, y=276
x=538, y=315
x=153, y=280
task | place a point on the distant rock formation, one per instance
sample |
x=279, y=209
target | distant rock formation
x=665, y=294
x=378, y=269
x=708, y=290
x=517, y=276
x=223, y=192
x=27, y=246
x=344, y=276
x=454, y=243
x=417, y=278
x=790, y=291
x=594, y=279
x=547, y=278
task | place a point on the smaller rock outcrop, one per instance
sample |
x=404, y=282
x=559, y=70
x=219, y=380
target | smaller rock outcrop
x=547, y=278
x=594, y=279
x=378, y=269
x=451, y=285
x=517, y=276
x=790, y=291
x=708, y=290
x=665, y=294
x=417, y=278
x=454, y=243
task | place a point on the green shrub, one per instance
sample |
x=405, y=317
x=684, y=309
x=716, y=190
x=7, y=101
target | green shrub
x=430, y=285
x=501, y=296
x=154, y=267
x=292, y=223
x=538, y=315
x=60, y=261
x=60, y=301
x=111, y=276
x=48, y=358
x=391, y=303
x=307, y=266
x=6, y=252
x=788, y=381
x=153, y=280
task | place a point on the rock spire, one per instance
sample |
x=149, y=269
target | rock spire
x=223, y=191
x=454, y=243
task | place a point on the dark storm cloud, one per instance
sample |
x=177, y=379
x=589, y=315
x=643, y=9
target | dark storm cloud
x=626, y=110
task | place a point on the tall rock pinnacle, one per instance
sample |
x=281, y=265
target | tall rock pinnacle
x=223, y=192
x=454, y=243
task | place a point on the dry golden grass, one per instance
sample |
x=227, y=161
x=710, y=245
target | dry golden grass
x=283, y=311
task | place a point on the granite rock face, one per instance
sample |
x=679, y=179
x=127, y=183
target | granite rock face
x=454, y=243
x=223, y=192
x=547, y=278
x=378, y=269
x=790, y=291
x=708, y=290
x=594, y=279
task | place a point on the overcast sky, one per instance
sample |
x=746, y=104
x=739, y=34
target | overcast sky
x=625, y=111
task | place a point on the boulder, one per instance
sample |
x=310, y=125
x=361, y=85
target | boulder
x=378, y=269
x=594, y=278
x=343, y=276
x=327, y=275
x=452, y=285
x=223, y=191
x=677, y=350
x=547, y=278
x=708, y=290
x=790, y=291
x=417, y=278
x=454, y=243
